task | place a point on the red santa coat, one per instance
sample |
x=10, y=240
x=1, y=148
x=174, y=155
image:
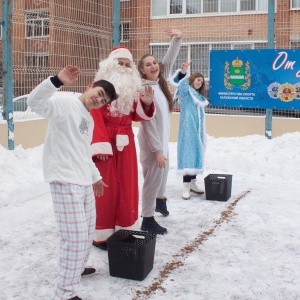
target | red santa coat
x=118, y=207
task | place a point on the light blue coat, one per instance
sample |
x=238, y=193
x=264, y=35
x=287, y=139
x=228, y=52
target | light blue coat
x=192, y=134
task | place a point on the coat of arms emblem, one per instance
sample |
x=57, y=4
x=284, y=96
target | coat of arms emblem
x=237, y=75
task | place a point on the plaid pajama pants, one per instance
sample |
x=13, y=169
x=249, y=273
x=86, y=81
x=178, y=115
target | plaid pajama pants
x=74, y=208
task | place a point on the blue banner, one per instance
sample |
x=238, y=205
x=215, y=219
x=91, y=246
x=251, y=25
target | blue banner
x=255, y=78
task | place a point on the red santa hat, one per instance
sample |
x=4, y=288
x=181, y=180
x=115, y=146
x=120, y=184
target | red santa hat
x=121, y=52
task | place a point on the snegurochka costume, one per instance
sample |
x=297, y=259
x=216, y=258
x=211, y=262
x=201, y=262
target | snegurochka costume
x=191, y=143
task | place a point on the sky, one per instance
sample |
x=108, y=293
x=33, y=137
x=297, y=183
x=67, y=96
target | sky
x=246, y=248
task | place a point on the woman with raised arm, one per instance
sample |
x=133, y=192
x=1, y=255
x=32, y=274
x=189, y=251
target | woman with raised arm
x=191, y=142
x=153, y=135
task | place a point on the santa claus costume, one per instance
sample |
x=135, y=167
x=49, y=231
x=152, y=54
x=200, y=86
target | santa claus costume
x=113, y=147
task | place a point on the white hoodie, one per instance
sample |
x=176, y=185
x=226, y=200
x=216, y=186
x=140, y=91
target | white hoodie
x=67, y=151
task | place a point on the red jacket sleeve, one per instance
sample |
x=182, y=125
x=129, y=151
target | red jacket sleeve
x=140, y=113
x=100, y=141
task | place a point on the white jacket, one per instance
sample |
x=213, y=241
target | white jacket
x=67, y=151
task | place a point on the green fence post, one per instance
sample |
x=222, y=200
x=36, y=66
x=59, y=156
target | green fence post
x=116, y=23
x=7, y=73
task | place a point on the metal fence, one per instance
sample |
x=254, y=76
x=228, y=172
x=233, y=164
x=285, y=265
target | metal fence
x=47, y=35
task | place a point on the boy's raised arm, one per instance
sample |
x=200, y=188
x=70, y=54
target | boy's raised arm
x=38, y=98
x=69, y=75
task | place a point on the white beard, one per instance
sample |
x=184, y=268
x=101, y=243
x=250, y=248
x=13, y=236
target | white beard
x=126, y=81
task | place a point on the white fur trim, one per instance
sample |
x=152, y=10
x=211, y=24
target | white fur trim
x=122, y=141
x=200, y=107
x=101, y=148
x=102, y=235
x=135, y=226
x=190, y=171
x=141, y=113
x=197, y=101
x=172, y=78
x=176, y=84
x=149, y=82
x=121, y=53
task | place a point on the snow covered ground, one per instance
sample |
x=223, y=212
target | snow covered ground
x=247, y=248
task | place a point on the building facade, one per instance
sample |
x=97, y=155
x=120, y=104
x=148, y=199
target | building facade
x=49, y=34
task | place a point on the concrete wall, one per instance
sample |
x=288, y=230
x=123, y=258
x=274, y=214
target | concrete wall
x=26, y=133
x=32, y=133
x=233, y=126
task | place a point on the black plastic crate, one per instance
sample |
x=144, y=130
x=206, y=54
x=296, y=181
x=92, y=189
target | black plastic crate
x=218, y=186
x=131, y=254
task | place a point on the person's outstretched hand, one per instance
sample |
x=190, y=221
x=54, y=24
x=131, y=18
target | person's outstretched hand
x=185, y=66
x=99, y=188
x=173, y=32
x=148, y=95
x=69, y=75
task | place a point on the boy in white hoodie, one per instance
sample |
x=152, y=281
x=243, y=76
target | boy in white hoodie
x=68, y=167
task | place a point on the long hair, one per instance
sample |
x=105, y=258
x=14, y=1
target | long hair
x=192, y=78
x=162, y=82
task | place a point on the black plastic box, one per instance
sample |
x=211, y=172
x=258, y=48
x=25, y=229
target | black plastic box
x=131, y=254
x=218, y=187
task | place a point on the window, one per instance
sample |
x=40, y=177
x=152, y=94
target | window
x=260, y=46
x=262, y=5
x=228, y=6
x=295, y=45
x=159, y=7
x=210, y=6
x=247, y=5
x=199, y=53
x=184, y=7
x=39, y=61
x=36, y=65
x=193, y=7
x=242, y=46
x=176, y=7
x=295, y=4
x=181, y=58
x=199, y=56
x=124, y=31
x=159, y=52
x=37, y=24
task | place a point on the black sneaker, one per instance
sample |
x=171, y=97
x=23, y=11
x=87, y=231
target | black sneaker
x=75, y=298
x=88, y=272
x=149, y=224
x=102, y=246
x=161, y=207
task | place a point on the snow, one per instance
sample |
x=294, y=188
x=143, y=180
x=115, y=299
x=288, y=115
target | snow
x=245, y=248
